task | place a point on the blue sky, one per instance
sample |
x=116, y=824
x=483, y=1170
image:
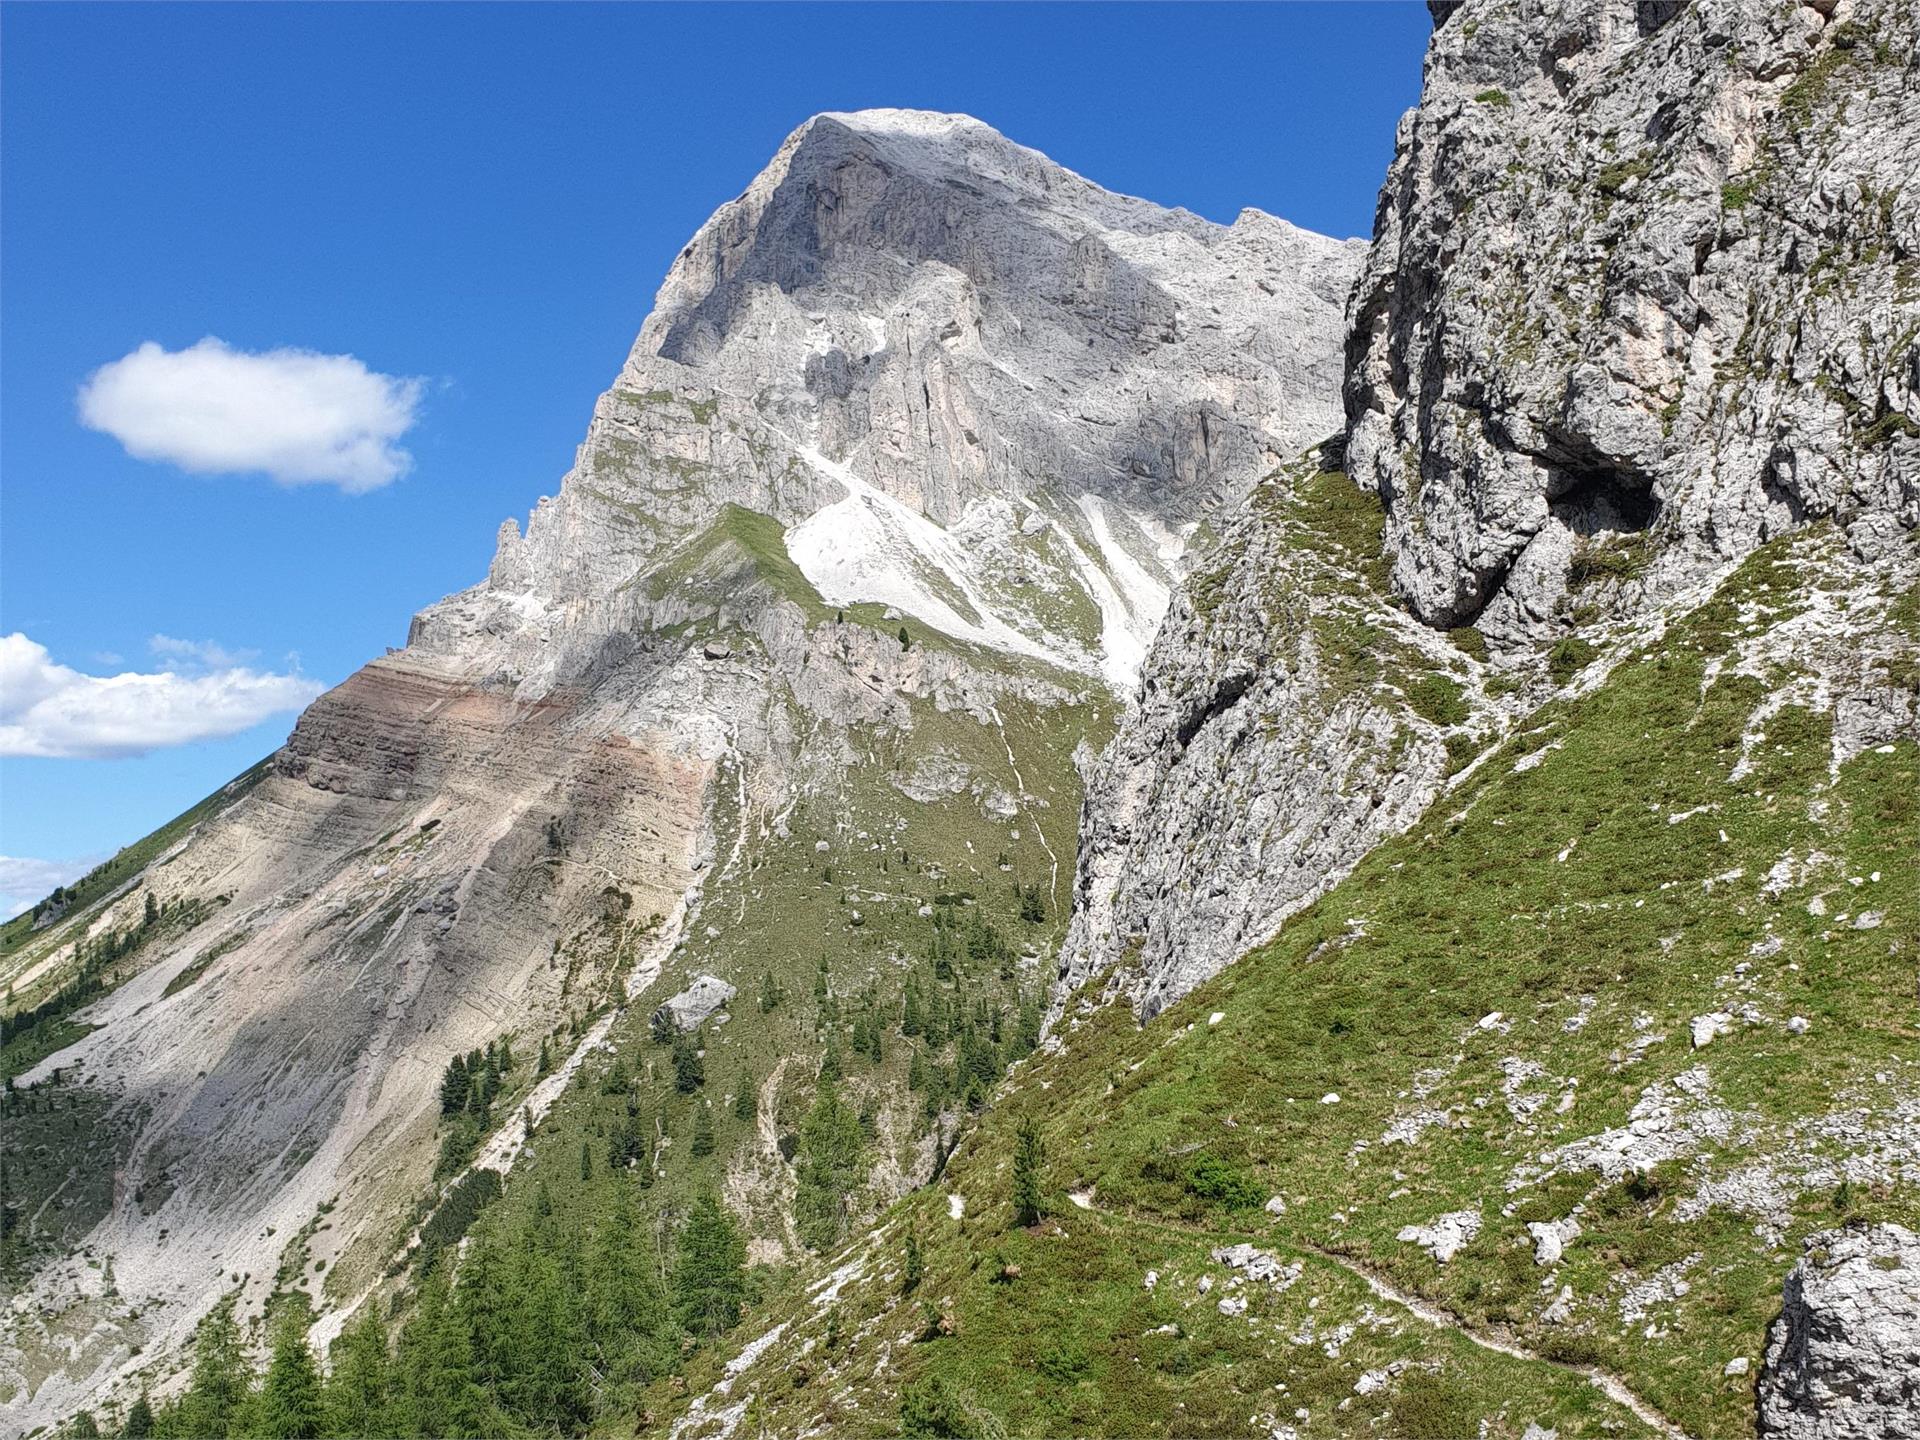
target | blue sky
x=478, y=202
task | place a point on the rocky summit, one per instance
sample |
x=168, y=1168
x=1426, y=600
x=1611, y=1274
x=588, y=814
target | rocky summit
x=1079, y=821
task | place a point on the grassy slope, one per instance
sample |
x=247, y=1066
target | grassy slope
x=1549, y=893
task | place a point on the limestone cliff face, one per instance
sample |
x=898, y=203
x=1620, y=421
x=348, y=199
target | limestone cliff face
x=1644, y=293
x=915, y=374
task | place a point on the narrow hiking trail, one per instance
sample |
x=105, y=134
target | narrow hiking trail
x=1500, y=1342
x=1495, y=1340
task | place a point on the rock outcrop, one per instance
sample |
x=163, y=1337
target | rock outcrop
x=1269, y=749
x=1843, y=1359
x=1641, y=297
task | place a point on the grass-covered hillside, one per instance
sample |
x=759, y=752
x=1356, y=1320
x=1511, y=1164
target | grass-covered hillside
x=1625, y=1018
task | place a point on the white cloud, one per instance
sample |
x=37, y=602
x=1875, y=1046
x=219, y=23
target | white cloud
x=209, y=654
x=301, y=417
x=48, y=710
x=24, y=882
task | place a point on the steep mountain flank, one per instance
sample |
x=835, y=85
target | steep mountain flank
x=1290, y=718
x=780, y=693
x=1522, y=1124
x=1644, y=293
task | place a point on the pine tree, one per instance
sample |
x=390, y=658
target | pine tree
x=151, y=914
x=1026, y=1031
x=289, y=1405
x=830, y=1067
x=453, y=1086
x=911, y=1020
x=358, y=1393
x=708, y=1288
x=546, y=1059
x=689, y=1070
x=586, y=1161
x=217, y=1395
x=1029, y=1155
x=440, y=1396
x=832, y=1151
x=627, y=1312
x=915, y=1269
x=703, y=1129
x=481, y=1084
x=743, y=1098
x=542, y=1379
x=139, y=1422
x=628, y=1144
x=916, y=1071
x=769, y=993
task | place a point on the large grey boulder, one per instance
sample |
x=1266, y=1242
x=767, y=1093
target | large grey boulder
x=691, y=1008
x=1843, y=1359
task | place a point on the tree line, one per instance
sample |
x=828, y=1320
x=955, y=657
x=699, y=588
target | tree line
x=539, y=1329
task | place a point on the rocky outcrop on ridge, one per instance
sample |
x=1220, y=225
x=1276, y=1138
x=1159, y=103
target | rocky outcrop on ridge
x=1642, y=295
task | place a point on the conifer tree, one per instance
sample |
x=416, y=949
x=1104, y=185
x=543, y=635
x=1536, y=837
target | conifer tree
x=586, y=1161
x=743, y=1098
x=708, y=1288
x=1029, y=1155
x=832, y=1149
x=439, y=1394
x=358, y=1393
x=541, y=1377
x=703, y=1129
x=139, y=1422
x=689, y=1071
x=217, y=1395
x=915, y=1269
x=289, y=1403
x=627, y=1316
x=453, y=1086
